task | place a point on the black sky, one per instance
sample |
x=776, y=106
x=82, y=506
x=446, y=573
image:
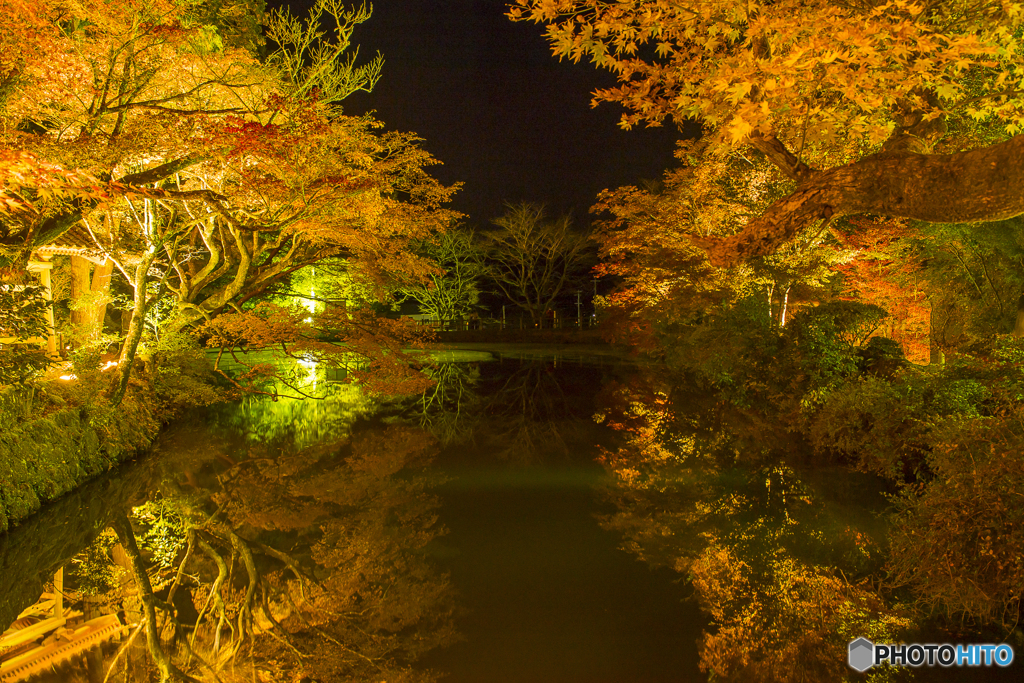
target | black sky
x=501, y=113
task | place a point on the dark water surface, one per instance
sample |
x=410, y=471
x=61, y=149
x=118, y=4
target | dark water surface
x=551, y=596
x=543, y=592
x=531, y=518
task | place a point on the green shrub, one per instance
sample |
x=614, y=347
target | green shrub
x=826, y=339
x=874, y=424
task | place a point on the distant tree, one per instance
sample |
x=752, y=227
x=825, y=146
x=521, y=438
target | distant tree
x=533, y=258
x=451, y=289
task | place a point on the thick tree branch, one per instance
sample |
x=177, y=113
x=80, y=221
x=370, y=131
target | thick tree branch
x=168, y=672
x=162, y=171
x=785, y=160
x=981, y=185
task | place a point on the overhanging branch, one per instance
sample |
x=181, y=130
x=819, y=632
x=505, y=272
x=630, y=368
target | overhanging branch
x=981, y=185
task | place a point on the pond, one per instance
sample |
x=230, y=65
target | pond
x=533, y=516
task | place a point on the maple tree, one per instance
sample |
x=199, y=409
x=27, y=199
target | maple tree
x=851, y=101
x=886, y=271
x=665, y=284
x=207, y=176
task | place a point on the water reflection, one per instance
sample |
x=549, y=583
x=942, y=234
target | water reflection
x=266, y=543
x=526, y=412
x=288, y=539
x=777, y=558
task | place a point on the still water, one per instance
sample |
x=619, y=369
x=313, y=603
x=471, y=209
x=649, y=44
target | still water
x=461, y=533
x=531, y=517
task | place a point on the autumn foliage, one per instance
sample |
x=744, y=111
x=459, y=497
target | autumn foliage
x=207, y=173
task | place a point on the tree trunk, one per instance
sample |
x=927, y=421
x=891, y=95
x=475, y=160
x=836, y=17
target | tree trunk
x=976, y=186
x=79, y=289
x=101, y=287
x=87, y=319
x=136, y=326
x=785, y=307
x=168, y=672
x=935, y=355
x=1018, y=327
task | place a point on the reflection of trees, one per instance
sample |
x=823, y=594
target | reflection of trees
x=775, y=568
x=309, y=564
x=531, y=417
x=303, y=421
x=449, y=409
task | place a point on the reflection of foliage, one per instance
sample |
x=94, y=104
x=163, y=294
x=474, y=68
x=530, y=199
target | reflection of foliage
x=310, y=564
x=303, y=422
x=769, y=560
x=788, y=624
x=162, y=530
x=449, y=409
x=91, y=571
x=530, y=416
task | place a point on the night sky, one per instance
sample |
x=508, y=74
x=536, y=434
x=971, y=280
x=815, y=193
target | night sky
x=501, y=113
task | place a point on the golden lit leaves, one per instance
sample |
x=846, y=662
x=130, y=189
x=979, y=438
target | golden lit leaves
x=31, y=185
x=852, y=65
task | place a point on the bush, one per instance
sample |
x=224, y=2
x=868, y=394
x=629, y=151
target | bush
x=881, y=356
x=956, y=540
x=826, y=339
x=23, y=316
x=873, y=423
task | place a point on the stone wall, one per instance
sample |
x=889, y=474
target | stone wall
x=47, y=457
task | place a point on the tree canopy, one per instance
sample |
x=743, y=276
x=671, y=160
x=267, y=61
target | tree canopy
x=894, y=108
x=207, y=165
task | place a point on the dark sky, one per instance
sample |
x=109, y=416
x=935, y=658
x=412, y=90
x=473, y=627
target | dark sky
x=501, y=113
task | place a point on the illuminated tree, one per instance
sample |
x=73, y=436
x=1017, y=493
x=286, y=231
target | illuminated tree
x=851, y=101
x=205, y=175
x=666, y=284
x=451, y=290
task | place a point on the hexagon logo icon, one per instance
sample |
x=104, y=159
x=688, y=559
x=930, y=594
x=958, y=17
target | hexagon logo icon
x=862, y=654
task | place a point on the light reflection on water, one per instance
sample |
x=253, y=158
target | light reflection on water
x=484, y=487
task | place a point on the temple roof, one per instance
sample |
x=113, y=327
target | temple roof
x=75, y=242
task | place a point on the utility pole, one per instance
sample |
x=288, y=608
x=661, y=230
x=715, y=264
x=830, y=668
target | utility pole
x=579, y=309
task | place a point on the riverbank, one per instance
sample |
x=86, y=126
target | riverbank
x=44, y=457
x=63, y=432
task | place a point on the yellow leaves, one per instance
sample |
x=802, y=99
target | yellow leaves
x=948, y=91
x=738, y=130
x=879, y=133
x=739, y=91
